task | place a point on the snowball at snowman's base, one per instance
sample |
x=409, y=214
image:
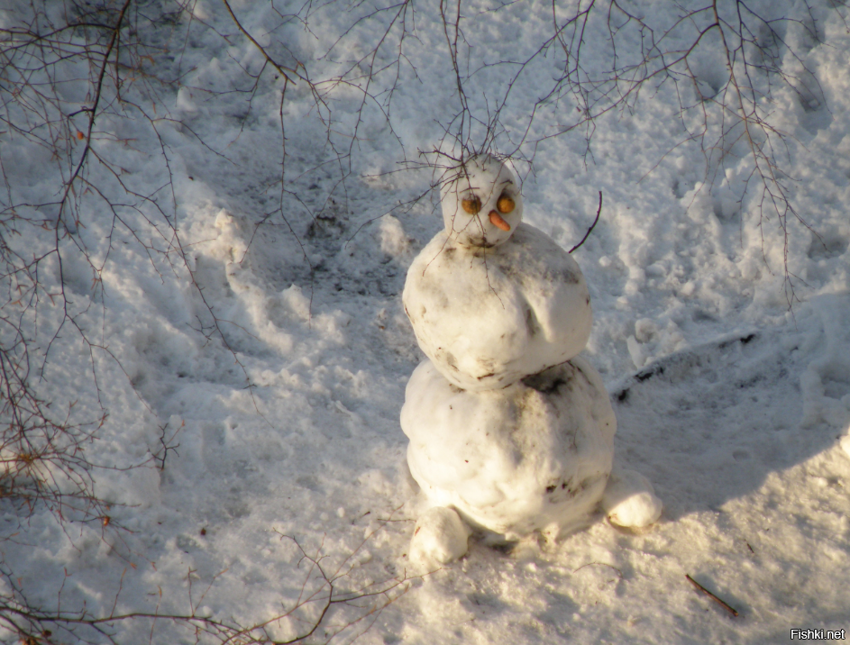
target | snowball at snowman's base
x=845, y=444
x=440, y=536
x=488, y=317
x=534, y=456
x=630, y=500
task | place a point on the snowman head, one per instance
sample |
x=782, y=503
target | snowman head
x=482, y=204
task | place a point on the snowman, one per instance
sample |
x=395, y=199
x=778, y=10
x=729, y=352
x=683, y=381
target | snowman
x=511, y=433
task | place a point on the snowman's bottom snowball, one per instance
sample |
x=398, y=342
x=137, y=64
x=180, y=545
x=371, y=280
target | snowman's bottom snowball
x=534, y=456
x=630, y=500
x=440, y=537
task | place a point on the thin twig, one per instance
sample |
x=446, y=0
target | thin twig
x=600, y=564
x=284, y=71
x=725, y=606
x=592, y=226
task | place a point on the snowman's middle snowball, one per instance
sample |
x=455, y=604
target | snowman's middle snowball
x=489, y=317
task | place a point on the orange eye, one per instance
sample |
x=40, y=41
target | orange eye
x=505, y=204
x=471, y=205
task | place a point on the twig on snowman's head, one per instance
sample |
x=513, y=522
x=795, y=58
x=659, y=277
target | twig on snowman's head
x=592, y=226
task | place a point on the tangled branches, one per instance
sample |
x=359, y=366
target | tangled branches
x=43, y=449
x=727, y=62
x=324, y=609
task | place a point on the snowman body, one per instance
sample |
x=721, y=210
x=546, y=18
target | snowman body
x=510, y=432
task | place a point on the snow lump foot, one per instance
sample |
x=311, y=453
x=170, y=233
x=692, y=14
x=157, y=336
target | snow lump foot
x=630, y=501
x=440, y=537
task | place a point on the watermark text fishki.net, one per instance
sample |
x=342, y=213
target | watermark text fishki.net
x=818, y=634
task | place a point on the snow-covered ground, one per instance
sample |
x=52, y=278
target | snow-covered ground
x=735, y=405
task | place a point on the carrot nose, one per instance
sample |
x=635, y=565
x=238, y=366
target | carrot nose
x=498, y=221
